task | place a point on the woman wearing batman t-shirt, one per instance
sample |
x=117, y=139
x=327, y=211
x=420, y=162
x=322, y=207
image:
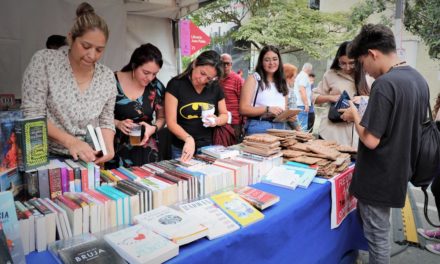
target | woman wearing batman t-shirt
x=185, y=96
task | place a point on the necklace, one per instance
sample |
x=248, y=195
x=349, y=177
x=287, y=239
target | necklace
x=397, y=64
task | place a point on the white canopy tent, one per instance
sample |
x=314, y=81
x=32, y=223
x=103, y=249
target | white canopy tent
x=26, y=24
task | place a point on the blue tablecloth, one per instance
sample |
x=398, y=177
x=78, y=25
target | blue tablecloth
x=295, y=230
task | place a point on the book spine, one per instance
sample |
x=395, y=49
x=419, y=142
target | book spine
x=54, y=182
x=31, y=183
x=19, y=133
x=43, y=182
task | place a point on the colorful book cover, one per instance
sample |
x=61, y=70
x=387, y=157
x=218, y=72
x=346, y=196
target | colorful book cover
x=8, y=139
x=137, y=245
x=32, y=145
x=96, y=251
x=11, y=227
x=5, y=255
x=304, y=175
x=237, y=208
x=12, y=180
x=258, y=198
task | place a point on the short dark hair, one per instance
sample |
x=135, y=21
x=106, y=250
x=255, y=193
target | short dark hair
x=379, y=37
x=144, y=54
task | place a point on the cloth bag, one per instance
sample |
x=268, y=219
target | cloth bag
x=224, y=135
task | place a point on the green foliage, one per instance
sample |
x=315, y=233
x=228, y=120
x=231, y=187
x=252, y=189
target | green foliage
x=289, y=24
x=422, y=17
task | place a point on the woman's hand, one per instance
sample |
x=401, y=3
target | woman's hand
x=149, y=131
x=275, y=110
x=188, y=149
x=210, y=121
x=124, y=125
x=334, y=98
x=80, y=149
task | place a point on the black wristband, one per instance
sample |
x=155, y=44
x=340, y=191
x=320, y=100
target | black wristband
x=155, y=131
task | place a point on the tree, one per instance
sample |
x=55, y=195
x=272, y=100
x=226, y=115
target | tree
x=422, y=18
x=290, y=25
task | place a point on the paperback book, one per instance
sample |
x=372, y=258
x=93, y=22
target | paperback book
x=211, y=216
x=220, y=152
x=8, y=139
x=96, y=251
x=178, y=227
x=258, y=198
x=237, y=208
x=280, y=176
x=138, y=245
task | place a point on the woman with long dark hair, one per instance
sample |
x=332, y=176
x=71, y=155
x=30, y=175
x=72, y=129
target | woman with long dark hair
x=186, y=96
x=343, y=75
x=139, y=102
x=264, y=94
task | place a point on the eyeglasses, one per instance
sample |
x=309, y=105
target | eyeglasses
x=268, y=60
x=347, y=65
x=226, y=63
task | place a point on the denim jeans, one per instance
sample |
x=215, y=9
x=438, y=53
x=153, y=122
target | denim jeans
x=303, y=118
x=254, y=126
x=376, y=225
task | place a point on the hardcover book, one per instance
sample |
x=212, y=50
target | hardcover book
x=11, y=227
x=172, y=224
x=32, y=145
x=138, y=245
x=258, y=198
x=96, y=251
x=237, y=208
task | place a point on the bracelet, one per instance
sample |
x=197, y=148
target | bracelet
x=156, y=128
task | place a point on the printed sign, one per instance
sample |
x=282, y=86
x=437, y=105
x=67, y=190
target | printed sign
x=192, y=38
x=342, y=202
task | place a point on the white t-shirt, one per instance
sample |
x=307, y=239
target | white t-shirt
x=302, y=80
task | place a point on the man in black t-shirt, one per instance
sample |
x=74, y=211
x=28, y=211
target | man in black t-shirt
x=389, y=134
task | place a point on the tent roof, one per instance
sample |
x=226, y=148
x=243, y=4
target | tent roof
x=172, y=9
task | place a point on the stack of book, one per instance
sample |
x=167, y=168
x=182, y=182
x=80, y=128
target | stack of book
x=262, y=144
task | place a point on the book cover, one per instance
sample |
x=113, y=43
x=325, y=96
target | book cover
x=237, y=208
x=286, y=115
x=11, y=227
x=220, y=152
x=32, y=147
x=12, y=180
x=96, y=251
x=258, y=198
x=31, y=184
x=8, y=139
x=211, y=216
x=172, y=224
x=5, y=255
x=139, y=245
x=305, y=175
x=280, y=176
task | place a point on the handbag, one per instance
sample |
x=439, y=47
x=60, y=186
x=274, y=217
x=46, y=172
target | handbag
x=333, y=114
x=224, y=135
x=428, y=160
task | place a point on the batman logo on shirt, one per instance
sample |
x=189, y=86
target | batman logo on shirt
x=192, y=110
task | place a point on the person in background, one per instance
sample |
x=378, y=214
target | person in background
x=303, y=92
x=434, y=234
x=186, y=95
x=71, y=89
x=231, y=83
x=55, y=42
x=290, y=72
x=340, y=77
x=389, y=134
x=240, y=73
x=311, y=115
x=140, y=98
x=264, y=94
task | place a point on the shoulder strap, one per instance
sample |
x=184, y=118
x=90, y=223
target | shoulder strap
x=257, y=79
x=425, y=207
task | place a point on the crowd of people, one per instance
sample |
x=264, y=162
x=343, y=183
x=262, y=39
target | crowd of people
x=72, y=89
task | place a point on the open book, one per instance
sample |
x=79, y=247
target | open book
x=286, y=115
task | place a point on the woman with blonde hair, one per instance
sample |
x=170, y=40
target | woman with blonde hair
x=73, y=90
x=290, y=72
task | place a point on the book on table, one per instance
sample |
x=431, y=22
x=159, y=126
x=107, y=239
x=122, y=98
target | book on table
x=282, y=177
x=211, y=216
x=8, y=139
x=139, y=245
x=220, y=152
x=176, y=226
x=258, y=198
x=304, y=175
x=237, y=208
x=9, y=222
x=32, y=147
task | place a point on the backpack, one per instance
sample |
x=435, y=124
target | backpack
x=428, y=160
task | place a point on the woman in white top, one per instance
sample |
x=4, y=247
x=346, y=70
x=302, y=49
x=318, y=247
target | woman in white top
x=264, y=94
x=342, y=76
